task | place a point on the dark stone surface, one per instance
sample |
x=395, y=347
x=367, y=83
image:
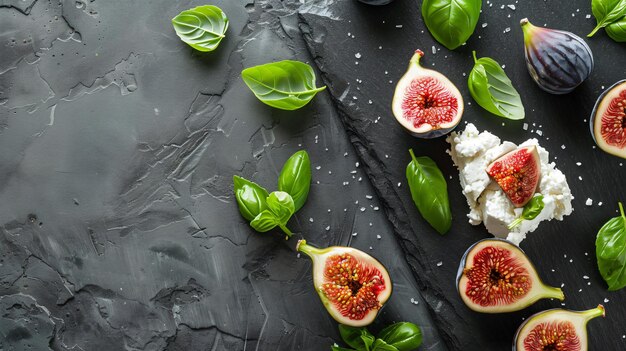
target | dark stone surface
x=362, y=88
x=119, y=229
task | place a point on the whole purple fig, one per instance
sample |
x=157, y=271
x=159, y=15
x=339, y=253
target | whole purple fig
x=557, y=60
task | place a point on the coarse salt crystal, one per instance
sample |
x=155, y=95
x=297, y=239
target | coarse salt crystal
x=439, y=264
x=378, y=237
x=357, y=55
x=589, y=202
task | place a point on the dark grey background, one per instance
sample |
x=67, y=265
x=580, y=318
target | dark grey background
x=119, y=228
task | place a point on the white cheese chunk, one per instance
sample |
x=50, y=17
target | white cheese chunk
x=472, y=152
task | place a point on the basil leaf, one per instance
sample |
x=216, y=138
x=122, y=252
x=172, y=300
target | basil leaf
x=611, y=251
x=359, y=338
x=531, y=210
x=381, y=345
x=607, y=12
x=451, y=22
x=404, y=336
x=617, y=30
x=264, y=222
x=281, y=204
x=429, y=191
x=250, y=197
x=295, y=178
x=287, y=85
x=492, y=89
x=201, y=27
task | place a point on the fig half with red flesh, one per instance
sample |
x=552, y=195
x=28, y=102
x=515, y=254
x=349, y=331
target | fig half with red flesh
x=496, y=276
x=352, y=285
x=517, y=173
x=425, y=102
x=608, y=120
x=556, y=330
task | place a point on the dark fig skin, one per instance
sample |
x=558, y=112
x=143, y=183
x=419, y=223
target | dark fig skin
x=557, y=60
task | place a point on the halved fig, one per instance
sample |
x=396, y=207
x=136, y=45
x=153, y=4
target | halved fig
x=608, y=120
x=352, y=285
x=425, y=102
x=557, y=60
x=517, y=173
x=496, y=276
x=556, y=329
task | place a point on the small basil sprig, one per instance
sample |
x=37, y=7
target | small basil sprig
x=295, y=178
x=401, y=336
x=531, y=210
x=607, y=12
x=611, y=251
x=281, y=208
x=492, y=89
x=451, y=22
x=429, y=191
x=287, y=85
x=617, y=30
x=267, y=211
x=201, y=27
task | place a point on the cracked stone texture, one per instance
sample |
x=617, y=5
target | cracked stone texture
x=118, y=226
x=363, y=54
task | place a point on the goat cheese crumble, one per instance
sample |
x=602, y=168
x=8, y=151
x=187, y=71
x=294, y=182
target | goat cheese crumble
x=471, y=152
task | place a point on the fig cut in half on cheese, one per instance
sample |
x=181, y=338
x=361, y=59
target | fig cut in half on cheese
x=517, y=173
x=425, y=102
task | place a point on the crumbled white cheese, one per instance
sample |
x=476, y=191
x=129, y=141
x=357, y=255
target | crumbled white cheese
x=472, y=152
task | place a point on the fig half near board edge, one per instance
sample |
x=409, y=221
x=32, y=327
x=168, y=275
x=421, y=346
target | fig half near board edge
x=496, y=276
x=608, y=120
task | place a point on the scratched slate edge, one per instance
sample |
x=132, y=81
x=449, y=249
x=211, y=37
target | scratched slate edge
x=346, y=62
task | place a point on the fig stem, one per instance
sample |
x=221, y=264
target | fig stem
x=593, y=313
x=416, y=57
x=309, y=250
x=554, y=293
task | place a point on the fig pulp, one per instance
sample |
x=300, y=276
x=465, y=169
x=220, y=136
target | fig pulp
x=608, y=120
x=557, y=60
x=495, y=276
x=517, y=173
x=352, y=285
x=425, y=102
x=557, y=329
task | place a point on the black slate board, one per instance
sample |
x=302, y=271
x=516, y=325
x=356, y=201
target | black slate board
x=384, y=38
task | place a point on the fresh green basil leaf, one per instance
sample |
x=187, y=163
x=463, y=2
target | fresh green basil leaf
x=429, y=191
x=611, y=251
x=381, y=345
x=492, y=89
x=250, y=197
x=404, y=336
x=359, y=338
x=281, y=204
x=451, y=22
x=287, y=85
x=295, y=178
x=264, y=222
x=607, y=12
x=617, y=30
x=533, y=208
x=201, y=27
